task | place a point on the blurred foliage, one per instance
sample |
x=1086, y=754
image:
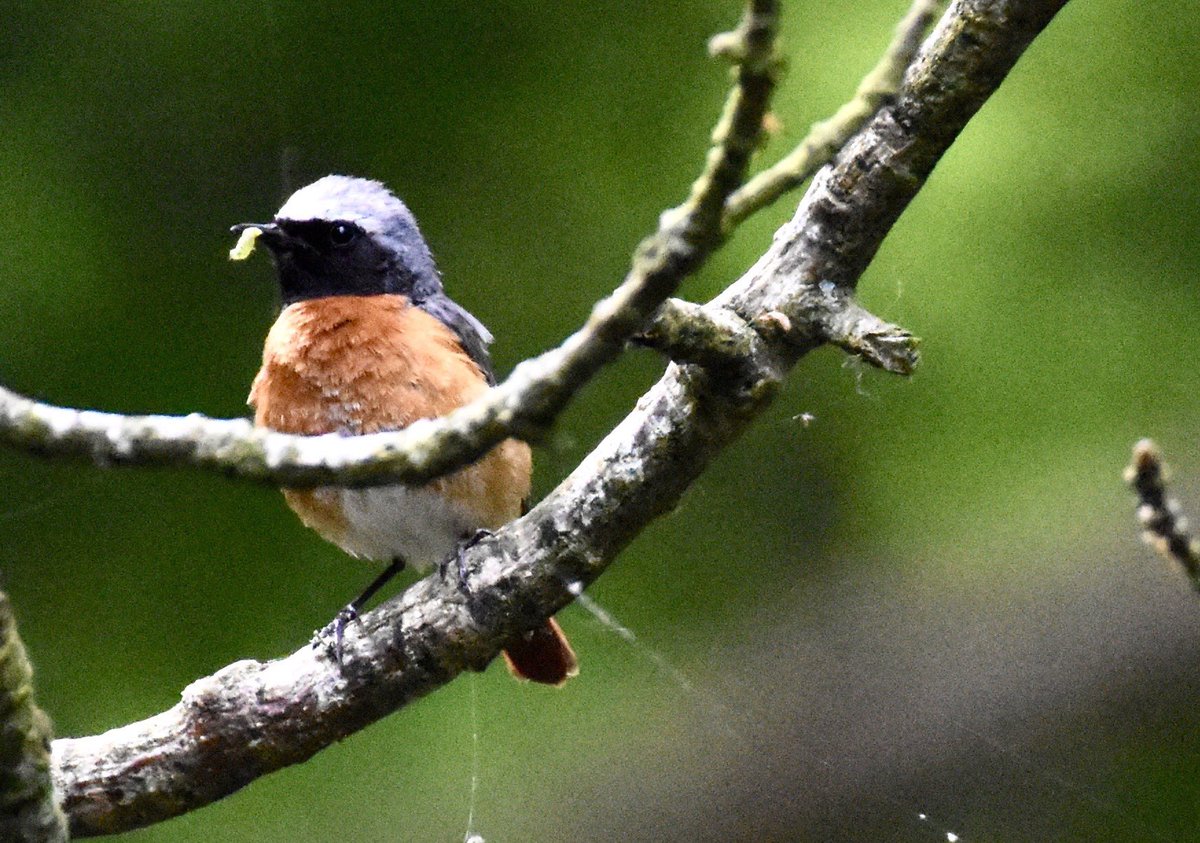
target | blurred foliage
x=929, y=601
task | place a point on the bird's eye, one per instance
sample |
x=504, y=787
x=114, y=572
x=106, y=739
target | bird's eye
x=342, y=234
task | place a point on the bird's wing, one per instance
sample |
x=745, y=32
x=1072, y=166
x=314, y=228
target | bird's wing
x=474, y=337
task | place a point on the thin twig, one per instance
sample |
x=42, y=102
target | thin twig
x=1164, y=528
x=824, y=139
x=252, y=718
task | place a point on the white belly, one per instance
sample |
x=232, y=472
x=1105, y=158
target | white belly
x=414, y=524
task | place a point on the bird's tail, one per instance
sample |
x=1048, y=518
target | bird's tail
x=542, y=655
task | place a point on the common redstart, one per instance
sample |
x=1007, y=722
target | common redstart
x=369, y=341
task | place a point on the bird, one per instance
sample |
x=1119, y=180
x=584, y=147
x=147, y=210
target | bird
x=367, y=341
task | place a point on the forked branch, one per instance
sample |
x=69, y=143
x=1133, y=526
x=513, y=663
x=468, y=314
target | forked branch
x=537, y=391
x=253, y=717
x=525, y=405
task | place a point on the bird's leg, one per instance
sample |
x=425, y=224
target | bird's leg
x=459, y=556
x=337, y=627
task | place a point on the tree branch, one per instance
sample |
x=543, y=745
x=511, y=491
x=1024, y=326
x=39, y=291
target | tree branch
x=722, y=342
x=252, y=717
x=525, y=405
x=28, y=805
x=827, y=137
x=1164, y=528
x=718, y=340
x=842, y=321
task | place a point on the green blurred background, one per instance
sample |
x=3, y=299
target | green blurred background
x=929, y=601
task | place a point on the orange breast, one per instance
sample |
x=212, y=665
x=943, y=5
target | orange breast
x=362, y=364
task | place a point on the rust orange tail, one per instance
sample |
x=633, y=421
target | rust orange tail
x=542, y=655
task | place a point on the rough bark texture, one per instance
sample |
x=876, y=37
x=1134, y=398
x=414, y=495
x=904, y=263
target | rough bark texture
x=29, y=808
x=251, y=718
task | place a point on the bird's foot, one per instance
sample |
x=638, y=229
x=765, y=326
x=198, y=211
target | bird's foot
x=330, y=636
x=459, y=557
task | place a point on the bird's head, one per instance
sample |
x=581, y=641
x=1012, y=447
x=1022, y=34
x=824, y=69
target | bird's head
x=345, y=236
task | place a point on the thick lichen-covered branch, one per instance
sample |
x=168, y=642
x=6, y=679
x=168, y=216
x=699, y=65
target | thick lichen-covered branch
x=524, y=405
x=1163, y=526
x=253, y=717
x=28, y=805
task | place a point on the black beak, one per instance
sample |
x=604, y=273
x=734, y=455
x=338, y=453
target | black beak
x=270, y=235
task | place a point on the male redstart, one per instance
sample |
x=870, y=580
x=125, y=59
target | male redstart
x=369, y=341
